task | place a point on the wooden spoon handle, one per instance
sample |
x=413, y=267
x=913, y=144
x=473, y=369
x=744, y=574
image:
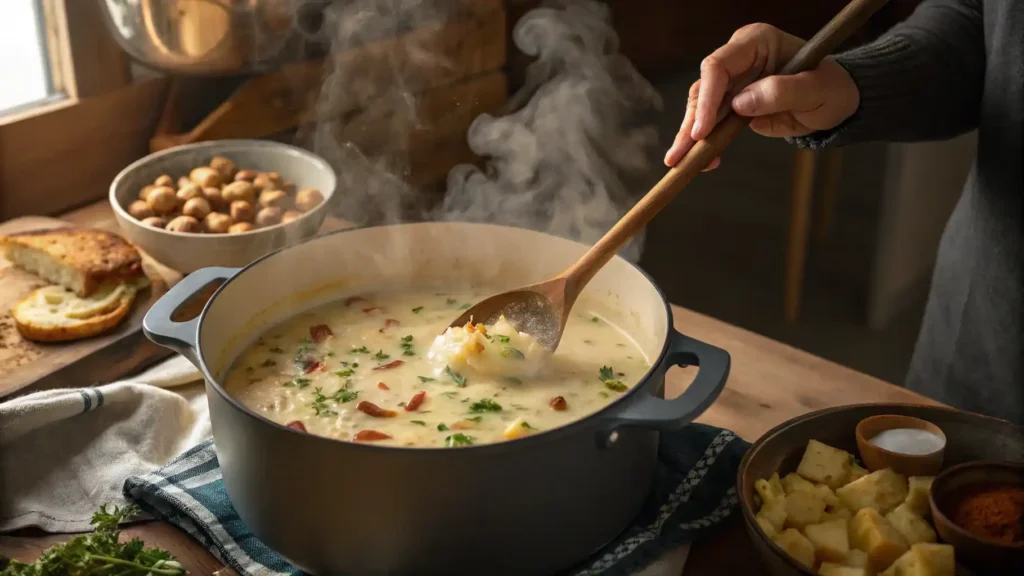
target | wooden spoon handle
x=834, y=33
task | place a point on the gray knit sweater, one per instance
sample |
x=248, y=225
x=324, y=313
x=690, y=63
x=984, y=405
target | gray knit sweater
x=954, y=66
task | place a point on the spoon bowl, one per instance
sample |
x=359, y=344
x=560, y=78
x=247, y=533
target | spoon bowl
x=539, y=310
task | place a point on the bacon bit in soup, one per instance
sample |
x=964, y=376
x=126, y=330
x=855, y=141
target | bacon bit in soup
x=388, y=324
x=371, y=409
x=371, y=309
x=559, y=403
x=297, y=425
x=382, y=386
x=478, y=346
x=390, y=365
x=320, y=332
x=353, y=299
x=370, y=436
x=415, y=402
x=313, y=367
x=470, y=327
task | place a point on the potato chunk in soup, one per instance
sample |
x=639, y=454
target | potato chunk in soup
x=382, y=368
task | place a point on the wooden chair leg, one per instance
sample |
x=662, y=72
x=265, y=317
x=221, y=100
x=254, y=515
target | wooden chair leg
x=799, y=224
x=831, y=169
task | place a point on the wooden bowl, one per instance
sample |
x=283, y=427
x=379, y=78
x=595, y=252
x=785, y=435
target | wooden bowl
x=877, y=458
x=947, y=490
x=968, y=437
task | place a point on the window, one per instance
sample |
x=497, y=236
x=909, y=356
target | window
x=24, y=62
x=68, y=100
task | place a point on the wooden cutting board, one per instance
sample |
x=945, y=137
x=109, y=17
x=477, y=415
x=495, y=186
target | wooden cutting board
x=27, y=366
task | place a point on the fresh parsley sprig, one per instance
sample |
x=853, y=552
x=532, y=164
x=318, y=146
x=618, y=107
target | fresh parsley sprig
x=99, y=552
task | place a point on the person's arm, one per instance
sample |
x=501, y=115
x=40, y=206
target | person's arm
x=922, y=80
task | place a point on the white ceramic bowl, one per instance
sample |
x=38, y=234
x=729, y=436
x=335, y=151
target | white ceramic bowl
x=188, y=252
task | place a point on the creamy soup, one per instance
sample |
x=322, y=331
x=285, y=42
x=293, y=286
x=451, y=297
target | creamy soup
x=377, y=368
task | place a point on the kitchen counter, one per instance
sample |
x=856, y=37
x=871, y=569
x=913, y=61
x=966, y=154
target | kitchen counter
x=770, y=383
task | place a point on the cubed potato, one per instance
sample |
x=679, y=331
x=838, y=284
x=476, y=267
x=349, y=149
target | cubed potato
x=774, y=512
x=882, y=490
x=924, y=560
x=797, y=546
x=857, y=559
x=856, y=472
x=824, y=464
x=770, y=489
x=767, y=527
x=803, y=508
x=873, y=534
x=917, y=495
x=912, y=527
x=837, y=513
x=832, y=569
x=793, y=482
x=830, y=539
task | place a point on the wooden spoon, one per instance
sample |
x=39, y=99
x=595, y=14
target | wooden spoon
x=542, y=310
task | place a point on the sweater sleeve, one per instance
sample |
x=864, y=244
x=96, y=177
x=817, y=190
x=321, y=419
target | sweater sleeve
x=922, y=80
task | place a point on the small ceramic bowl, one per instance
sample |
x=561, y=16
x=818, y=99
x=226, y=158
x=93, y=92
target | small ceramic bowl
x=186, y=252
x=877, y=458
x=947, y=491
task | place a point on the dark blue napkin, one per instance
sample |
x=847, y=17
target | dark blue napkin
x=694, y=490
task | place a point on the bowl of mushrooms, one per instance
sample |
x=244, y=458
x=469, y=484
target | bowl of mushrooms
x=221, y=203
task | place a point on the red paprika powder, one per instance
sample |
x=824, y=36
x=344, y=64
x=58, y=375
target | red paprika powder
x=995, y=512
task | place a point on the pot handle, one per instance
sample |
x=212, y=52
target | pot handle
x=649, y=411
x=182, y=337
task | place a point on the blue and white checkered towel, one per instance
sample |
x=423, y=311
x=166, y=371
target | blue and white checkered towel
x=694, y=490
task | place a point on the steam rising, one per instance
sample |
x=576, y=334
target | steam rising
x=555, y=164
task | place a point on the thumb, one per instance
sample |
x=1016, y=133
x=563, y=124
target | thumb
x=801, y=92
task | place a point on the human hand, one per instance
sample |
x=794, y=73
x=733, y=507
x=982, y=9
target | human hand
x=779, y=106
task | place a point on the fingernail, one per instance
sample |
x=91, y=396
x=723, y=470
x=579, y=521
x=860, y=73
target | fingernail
x=669, y=157
x=743, y=103
x=695, y=131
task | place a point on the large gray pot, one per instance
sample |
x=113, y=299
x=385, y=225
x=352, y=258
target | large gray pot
x=529, y=506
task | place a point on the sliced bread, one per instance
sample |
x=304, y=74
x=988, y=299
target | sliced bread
x=81, y=260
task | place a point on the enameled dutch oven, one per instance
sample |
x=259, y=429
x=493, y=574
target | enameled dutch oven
x=535, y=505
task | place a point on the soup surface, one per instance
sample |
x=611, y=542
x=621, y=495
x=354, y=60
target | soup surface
x=373, y=368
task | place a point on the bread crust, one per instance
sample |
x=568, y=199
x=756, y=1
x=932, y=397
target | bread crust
x=96, y=256
x=69, y=328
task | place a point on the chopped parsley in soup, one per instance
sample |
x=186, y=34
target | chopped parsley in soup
x=376, y=368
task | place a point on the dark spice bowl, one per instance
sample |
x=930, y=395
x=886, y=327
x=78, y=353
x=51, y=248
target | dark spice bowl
x=969, y=437
x=950, y=488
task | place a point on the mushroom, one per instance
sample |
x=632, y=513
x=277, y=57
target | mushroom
x=240, y=227
x=217, y=223
x=163, y=180
x=155, y=221
x=268, y=216
x=186, y=193
x=275, y=198
x=162, y=200
x=197, y=208
x=239, y=191
x=246, y=175
x=241, y=211
x=205, y=176
x=140, y=210
x=184, y=224
x=226, y=168
x=308, y=198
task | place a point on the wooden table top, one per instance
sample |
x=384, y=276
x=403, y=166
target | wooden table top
x=770, y=383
